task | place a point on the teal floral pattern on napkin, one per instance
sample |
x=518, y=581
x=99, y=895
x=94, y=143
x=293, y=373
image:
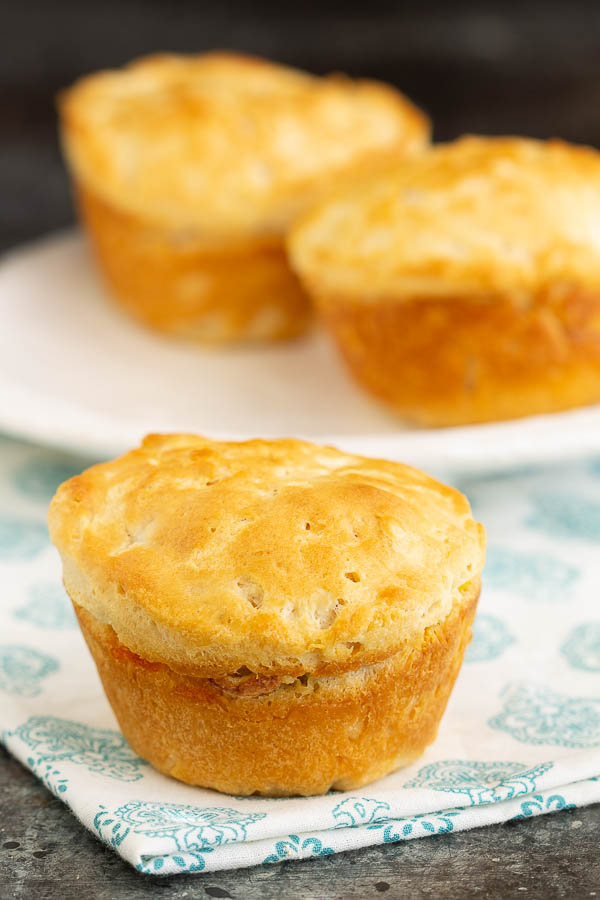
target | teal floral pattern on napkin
x=23, y=670
x=190, y=831
x=538, y=577
x=294, y=847
x=480, y=782
x=582, y=647
x=491, y=637
x=534, y=714
x=102, y=751
x=441, y=822
x=354, y=811
x=48, y=607
x=565, y=515
x=376, y=815
x=539, y=804
x=21, y=539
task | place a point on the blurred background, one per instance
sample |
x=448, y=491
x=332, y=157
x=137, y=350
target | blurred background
x=496, y=67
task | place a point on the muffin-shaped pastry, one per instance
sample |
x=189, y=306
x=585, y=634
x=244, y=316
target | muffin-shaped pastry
x=188, y=171
x=270, y=617
x=465, y=286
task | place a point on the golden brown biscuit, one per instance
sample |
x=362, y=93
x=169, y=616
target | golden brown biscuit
x=188, y=171
x=273, y=599
x=465, y=286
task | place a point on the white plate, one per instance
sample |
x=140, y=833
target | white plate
x=78, y=374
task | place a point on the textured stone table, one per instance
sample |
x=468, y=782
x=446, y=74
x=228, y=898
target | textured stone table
x=45, y=854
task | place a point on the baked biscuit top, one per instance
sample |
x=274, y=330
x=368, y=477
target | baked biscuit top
x=280, y=556
x=480, y=215
x=223, y=142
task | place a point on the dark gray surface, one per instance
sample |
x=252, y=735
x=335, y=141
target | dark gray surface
x=45, y=854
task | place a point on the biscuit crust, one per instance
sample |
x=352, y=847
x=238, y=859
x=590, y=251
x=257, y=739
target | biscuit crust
x=444, y=362
x=303, y=738
x=176, y=284
x=226, y=144
x=189, y=169
x=465, y=286
x=476, y=217
x=281, y=556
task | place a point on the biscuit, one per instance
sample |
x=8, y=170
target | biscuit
x=270, y=617
x=464, y=286
x=189, y=169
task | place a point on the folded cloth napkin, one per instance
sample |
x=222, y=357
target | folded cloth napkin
x=521, y=736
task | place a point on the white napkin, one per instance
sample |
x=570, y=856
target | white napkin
x=521, y=736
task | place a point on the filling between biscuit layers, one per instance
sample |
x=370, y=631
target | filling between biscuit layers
x=246, y=684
